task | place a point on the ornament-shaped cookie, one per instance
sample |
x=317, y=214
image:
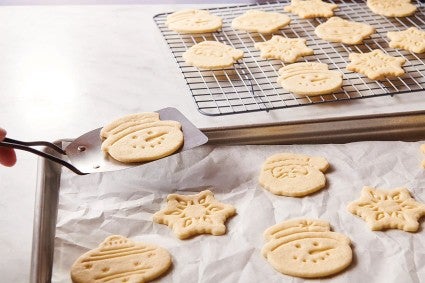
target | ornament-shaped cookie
x=140, y=138
x=193, y=21
x=294, y=175
x=212, y=55
x=286, y=49
x=260, y=21
x=307, y=9
x=394, y=209
x=189, y=215
x=411, y=39
x=392, y=8
x=339, y=30
x=309, y=79
x=376, y=65
x=119, y=259
x=306, y=248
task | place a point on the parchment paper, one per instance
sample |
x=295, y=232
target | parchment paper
x=95, y=206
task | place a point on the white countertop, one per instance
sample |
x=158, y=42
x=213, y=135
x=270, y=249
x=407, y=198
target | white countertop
x=65, y=70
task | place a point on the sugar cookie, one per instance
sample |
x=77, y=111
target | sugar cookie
x=411, y=39
x=423, y=151
x=260, y=21
x=146, y=142
x=193, y=21
x=119, y=259
x=392, y=8
x=336, y=29
x=294, y=175
x=307, y=9
x=212, y=55
x=376, y=65
x=309, y=79
x=286, y=49
x=388, y=209
x=128, y=121
x=306, y=248
x=189, y=215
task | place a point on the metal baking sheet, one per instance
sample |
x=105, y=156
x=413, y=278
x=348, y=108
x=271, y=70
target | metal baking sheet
x=251, y=84
x=123, y=203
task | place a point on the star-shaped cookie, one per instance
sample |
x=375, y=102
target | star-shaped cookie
x=388, y=209
x=189, y=215
x=307, y=9
x=411, y=39
x=286, y=49
x=376, y=65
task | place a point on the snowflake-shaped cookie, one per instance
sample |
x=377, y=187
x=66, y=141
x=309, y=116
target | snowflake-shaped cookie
x=286, y=49
x=307, y=9
x=189, y=215
x=376, y=65
x=411, y=39
x=388, y=209
x=392, y=8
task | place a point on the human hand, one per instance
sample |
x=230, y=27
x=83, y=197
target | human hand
x=7, y=155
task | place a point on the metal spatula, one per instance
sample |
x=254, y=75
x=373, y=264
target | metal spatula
x=85, y=152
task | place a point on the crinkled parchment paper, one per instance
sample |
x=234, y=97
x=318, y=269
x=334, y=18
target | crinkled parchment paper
x=95, y=206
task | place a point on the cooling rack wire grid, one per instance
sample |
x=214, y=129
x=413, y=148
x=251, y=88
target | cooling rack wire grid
x=250, y=85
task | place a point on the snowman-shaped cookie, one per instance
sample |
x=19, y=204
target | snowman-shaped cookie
x=306, y=248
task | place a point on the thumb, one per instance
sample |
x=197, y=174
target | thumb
x=2, y=133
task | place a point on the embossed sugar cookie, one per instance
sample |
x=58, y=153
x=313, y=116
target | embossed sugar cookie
x=189, y=215
x=193, y=21
x=307, y=9
x=411, y=39
x=144, y=142
x=306, y=248
x=294, y=175
x=128, y=121
x=260, y=21
x=336, y=29
x=309, y=79
x=212, y=55
x=286, y=49
x=394, y=209
x=376, y=65
x=119, y=259
x=392, y=8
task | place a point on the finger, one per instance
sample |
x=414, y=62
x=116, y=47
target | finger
x=7, y=156
x=2, y=133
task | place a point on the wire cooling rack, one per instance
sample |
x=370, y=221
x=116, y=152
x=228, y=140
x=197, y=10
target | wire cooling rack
x=250, y=85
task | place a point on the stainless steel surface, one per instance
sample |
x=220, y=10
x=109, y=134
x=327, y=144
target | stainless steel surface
x=45, y=211
x=251, y=84
x=409, y=127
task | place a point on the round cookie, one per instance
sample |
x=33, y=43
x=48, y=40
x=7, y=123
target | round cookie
x=127, y=121
x=260, y=21
x=145, y=142
x=294, y=175
x=119, y=259
x=193, y=21
x=392, y=8
x=309, y=79
x=212, y=55
x=336, y=29
x=306, y=248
